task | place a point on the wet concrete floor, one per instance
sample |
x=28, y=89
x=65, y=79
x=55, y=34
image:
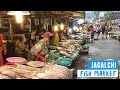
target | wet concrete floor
x=100, y=49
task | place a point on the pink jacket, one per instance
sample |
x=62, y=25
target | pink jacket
x=92, y=30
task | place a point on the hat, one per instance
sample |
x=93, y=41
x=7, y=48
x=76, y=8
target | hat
x=47, y=34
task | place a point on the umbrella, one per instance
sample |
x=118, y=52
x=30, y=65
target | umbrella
x=80, y=21
x=102, y=23
x=86, y=21
x=75, y=23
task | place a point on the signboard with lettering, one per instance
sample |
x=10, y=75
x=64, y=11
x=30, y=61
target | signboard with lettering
x=100, y=68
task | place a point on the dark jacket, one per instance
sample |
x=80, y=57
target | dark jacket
x=103, y=29
x=10, y=49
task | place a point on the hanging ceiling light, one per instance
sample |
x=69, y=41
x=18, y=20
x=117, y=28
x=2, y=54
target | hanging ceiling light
x=70, y=30
x=19, y=15
x=61, y=26
x=19, y=18
x=18, y=12
x=56, y=28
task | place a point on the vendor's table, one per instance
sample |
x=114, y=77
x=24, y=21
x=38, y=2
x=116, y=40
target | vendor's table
x=111, y=34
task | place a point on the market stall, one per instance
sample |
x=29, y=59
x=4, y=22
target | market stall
x=57, y=65
x=19, y=71
x=116, y=35
x=81, y=26
x=65, y=53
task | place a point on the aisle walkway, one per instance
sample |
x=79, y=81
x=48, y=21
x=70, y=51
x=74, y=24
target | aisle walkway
x=104, y=49
x=101, y=49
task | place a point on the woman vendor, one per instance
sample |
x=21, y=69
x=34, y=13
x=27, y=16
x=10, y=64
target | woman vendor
x=21, y=49
x=40, y=49
x=56, y=38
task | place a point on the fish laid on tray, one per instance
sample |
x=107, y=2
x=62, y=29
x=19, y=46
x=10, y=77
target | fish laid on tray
x=19, y=71
x=36, y=64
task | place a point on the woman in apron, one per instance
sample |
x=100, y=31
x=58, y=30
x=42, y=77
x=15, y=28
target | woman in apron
x=40, y=49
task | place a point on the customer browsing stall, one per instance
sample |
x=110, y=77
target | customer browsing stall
x=40, y=49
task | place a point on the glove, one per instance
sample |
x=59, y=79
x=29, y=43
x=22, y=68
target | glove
x=40, y=57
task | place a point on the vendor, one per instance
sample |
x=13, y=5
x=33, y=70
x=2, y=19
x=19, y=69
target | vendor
x=20, y=45
x=21, y=49
x=40, y=49
x=56, y=38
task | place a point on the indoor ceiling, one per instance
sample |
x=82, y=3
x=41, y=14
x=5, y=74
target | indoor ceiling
x=76, y=14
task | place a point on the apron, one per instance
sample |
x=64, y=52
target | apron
x=43, y=50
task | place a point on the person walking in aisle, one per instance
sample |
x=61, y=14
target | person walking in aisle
x=92, y=33
x=106, y=31
x=98, y=30
x=103, y=31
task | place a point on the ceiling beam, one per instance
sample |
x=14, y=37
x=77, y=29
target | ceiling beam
x=82, y=12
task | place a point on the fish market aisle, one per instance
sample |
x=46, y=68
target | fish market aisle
x=101, y=49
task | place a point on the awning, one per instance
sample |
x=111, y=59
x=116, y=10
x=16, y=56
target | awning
x=102, y=23
x=80, y=21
